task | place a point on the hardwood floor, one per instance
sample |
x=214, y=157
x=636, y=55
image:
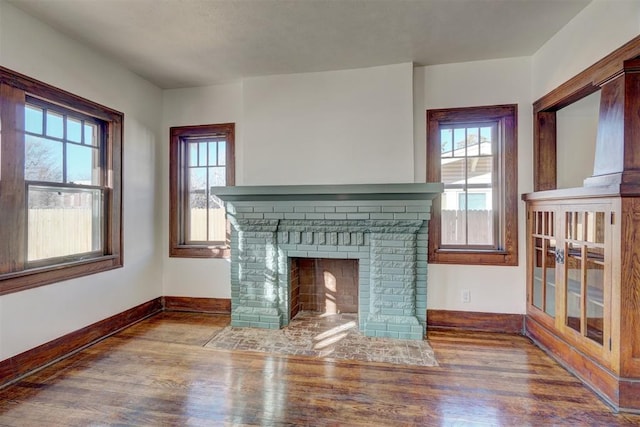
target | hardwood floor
x=157, y=373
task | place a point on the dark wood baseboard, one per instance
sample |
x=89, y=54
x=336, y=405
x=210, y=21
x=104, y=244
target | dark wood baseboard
x=629, y=390
x=598, y=378
x=25, y=363
x=476, y=321
x=200, y=305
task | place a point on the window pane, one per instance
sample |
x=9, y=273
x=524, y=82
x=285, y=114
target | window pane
x=197, y=218
x=446, y=142
x=55, y=124
x=222, y=153
x=217, y=177
x=63, y=222
x=81, y=164
x=480, y=218
x=207, y=221
x=467, y=216
x=198, y=181
x=74, y=130
x=33, y=119
x=91, y=134
x=473, y=148
x=453, y=170
x=459, y=141
x=197, y=204
x=480, y=170
x=486, y=139
x=454, y=225
x=213, y=154
x=473, y=201
x=202, y=154
x=43, y=159
x=217, y=220
x=193, y=154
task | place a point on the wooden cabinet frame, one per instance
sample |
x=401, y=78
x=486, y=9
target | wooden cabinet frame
x=612, y=115
x=613, y=369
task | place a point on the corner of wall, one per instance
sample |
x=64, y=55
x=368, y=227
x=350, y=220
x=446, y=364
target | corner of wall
x=600, y=28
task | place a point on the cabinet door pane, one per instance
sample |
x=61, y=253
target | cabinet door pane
x=550, y=278
x=574, y=287
x=538, y=257
x=544, y=261
x=595, y=227
x=595, y=294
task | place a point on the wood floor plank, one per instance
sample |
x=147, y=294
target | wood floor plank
x=157, y=373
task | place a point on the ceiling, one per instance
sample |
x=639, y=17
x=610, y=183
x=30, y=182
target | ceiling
x=187, y=43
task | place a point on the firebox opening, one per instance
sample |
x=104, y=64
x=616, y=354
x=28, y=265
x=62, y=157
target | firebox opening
x=324, y=285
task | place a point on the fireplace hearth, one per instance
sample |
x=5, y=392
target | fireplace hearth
x=382, y=226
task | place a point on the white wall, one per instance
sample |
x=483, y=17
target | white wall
x=599, y=29
x=337, y=127
x=33, y=317
x=206, y=278
x=504, y=81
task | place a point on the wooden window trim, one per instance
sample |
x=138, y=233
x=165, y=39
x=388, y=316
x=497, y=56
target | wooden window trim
x=507, y=254
x=14, y=88
x=177, y=248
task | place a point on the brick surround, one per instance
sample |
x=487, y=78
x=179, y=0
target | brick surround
x=388, y=237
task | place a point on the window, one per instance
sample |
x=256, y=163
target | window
x=201, y=157
x=473, y=151
x=60, y=185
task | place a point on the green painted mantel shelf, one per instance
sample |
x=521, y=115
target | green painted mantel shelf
x=409, y=191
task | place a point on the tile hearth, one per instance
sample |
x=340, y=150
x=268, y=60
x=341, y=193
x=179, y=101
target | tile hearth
x=332, y=336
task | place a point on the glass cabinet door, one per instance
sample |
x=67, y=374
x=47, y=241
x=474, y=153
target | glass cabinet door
x=585, y=281
x=544, y=261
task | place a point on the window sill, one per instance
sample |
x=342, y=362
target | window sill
x=196, y=251
x=40, y=276
x=474, y=257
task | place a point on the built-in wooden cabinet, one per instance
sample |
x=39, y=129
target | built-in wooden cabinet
x=583, y=244
x=570, y=264
x=583, y=286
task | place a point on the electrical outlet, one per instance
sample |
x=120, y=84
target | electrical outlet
x=466, y=296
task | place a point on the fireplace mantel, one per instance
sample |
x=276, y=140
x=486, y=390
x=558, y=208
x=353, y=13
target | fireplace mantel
x=411, y=191
x=383, y=226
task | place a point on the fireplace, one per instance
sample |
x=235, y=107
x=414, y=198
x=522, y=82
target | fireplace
x=383, y=228
x=323, y=285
